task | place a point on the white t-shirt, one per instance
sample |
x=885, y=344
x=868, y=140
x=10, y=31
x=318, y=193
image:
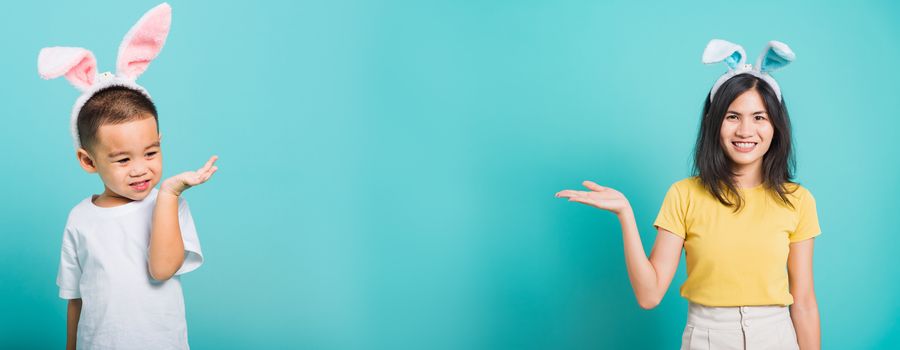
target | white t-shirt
x=104, y=262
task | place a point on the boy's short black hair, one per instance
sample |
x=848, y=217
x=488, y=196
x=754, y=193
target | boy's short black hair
x=112, y=105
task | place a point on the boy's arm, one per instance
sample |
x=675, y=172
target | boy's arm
x=74, y=313
x=166, y=245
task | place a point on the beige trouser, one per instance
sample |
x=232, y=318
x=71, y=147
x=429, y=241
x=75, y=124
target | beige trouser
x=744, y=327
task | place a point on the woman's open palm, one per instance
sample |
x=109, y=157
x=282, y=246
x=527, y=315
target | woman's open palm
x=601, y=197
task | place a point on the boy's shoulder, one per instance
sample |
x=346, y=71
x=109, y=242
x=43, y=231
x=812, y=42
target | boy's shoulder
x=86, y=212
x=80, y=212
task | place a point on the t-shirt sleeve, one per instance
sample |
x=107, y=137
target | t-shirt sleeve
x=808, y=223
x=671, y=215
x=69, y=276
x=193, y=256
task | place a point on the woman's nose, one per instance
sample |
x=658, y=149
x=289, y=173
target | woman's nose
x=745, y=129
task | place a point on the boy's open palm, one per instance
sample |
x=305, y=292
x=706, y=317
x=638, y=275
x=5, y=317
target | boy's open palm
x=601, y=197
x=178, y=183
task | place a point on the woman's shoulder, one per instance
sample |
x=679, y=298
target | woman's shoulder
x=688, y=184
x=686, y=188
x=796, y=190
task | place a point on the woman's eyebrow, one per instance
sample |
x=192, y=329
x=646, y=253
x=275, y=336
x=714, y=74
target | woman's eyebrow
x=757, y=112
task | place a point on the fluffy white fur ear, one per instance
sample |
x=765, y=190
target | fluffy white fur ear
x=76, y=64
x=144, y=42
x=718, y=50
x=775, y=56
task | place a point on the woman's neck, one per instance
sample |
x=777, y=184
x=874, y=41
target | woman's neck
x=747, y=176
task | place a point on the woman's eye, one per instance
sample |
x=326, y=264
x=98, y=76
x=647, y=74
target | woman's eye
x=759, y=117
x=731, y=116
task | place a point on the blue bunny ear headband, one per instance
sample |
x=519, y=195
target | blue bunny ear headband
x=776, y=55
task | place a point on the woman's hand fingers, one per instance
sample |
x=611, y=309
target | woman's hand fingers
x=584, y=200
x=593, y=186
x=568, y=194
x=600, y=197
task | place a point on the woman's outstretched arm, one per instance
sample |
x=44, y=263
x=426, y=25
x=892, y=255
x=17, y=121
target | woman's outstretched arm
x=650, y=278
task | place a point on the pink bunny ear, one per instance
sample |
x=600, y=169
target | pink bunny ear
x=144, y=41
x=77, y=64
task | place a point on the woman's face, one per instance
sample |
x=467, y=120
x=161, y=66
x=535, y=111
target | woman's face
x=746, y=132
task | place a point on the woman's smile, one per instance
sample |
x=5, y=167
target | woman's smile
x=744, y=147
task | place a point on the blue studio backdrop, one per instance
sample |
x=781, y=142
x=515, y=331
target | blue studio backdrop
x=388, y=167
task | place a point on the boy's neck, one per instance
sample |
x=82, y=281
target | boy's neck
x=109, y=199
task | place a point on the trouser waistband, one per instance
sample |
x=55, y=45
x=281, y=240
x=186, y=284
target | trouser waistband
x=735, y=317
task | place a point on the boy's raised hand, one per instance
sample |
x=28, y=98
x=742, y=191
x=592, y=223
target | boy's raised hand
x=178, y=183
x=601, y=197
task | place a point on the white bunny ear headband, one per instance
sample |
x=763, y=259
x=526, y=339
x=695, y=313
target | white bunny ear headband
x=776, y=55
x=140, y=46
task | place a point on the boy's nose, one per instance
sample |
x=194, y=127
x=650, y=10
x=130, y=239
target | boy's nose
x=138, y=171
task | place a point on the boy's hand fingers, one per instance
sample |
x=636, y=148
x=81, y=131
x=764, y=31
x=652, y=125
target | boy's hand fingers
x=209, y=164
x=203, y=177
x=209, y=174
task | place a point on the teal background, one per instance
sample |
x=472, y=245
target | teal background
x=388, y=167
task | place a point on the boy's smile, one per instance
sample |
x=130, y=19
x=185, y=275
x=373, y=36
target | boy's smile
x=128, y=158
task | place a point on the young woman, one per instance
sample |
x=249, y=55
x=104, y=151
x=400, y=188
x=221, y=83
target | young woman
x=745, y=227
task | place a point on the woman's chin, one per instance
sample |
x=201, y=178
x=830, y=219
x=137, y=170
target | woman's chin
x=743, y=159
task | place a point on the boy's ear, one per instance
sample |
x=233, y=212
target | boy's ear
x=85, y=160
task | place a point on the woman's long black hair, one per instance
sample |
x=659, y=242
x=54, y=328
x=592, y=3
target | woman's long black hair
x=711, y=163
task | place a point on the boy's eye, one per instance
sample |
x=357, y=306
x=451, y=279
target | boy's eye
x=122, y=161
x=151, y=154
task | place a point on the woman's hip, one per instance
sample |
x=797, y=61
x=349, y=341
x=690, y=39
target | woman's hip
x=738, y=327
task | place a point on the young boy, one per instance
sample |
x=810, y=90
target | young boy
x=123, y=250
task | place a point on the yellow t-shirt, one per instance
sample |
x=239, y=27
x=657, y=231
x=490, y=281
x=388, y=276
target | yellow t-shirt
x=737, y=259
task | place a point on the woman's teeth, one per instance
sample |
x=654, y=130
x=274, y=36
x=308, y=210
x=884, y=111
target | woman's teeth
x=744, y=146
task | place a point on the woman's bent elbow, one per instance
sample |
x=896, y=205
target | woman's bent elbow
x=648, y=304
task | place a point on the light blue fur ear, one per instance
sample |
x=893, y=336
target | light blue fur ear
x=718, y=50
x=776, y=55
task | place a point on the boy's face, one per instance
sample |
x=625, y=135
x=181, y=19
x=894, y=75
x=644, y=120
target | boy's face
x=127, y=157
